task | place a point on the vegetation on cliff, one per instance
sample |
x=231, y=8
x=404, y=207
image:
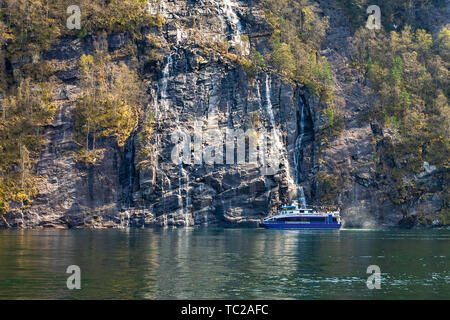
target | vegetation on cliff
x=24, y=111
x=109, y=97
x=108, y=106
x=407, y=69
x=296, y=42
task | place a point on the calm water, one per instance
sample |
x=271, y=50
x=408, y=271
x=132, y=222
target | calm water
x=224, y=264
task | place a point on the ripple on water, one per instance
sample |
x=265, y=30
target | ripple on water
x=222, y=263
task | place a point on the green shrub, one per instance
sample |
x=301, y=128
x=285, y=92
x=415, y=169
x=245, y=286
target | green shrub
x=109, y=102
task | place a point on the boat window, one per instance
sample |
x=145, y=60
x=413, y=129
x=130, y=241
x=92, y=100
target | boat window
x=305, y=219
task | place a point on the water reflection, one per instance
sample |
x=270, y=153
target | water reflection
x=223, y=264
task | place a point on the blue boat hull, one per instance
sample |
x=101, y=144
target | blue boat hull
x=278, y=225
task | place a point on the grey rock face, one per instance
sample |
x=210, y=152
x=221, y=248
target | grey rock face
x=192, y=87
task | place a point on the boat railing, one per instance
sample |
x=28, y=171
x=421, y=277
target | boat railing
x=313, y=207
x=326, y=208
x=323, y=209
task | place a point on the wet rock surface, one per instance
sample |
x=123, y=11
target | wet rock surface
x=189, y=88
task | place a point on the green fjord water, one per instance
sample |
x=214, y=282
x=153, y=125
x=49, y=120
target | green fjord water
x=207, y=263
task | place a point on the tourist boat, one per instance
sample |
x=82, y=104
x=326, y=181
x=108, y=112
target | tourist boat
x=304, y=217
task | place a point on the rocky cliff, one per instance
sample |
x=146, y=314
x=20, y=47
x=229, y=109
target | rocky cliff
x=195, y=87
